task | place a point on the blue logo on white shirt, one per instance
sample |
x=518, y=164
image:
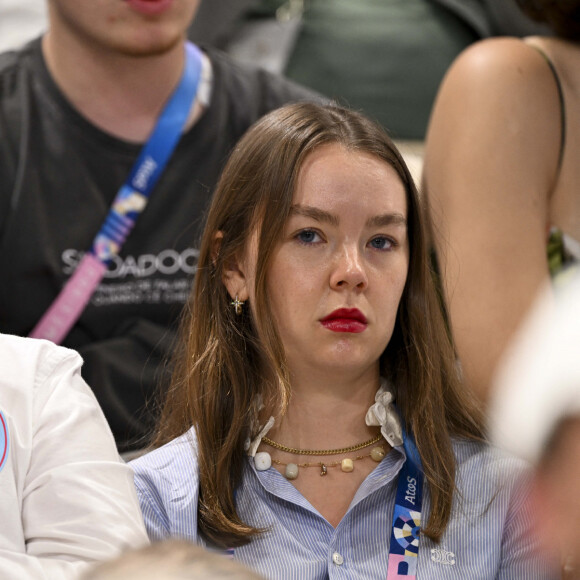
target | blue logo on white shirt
x=4, y=440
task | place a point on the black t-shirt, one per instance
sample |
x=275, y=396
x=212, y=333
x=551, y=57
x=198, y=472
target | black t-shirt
x=58, y=177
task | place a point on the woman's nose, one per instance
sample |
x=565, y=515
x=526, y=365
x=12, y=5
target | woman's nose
x=349, y=270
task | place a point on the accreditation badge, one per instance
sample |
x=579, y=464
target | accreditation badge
x=4, y=440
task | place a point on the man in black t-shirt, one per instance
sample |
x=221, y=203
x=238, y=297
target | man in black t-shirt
x=75, y=108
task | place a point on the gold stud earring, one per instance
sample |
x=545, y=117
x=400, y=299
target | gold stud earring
x=237, y=304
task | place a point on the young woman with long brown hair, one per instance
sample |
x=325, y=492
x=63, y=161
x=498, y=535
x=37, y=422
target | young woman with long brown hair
x=315, y=388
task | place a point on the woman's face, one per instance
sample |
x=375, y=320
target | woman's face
x=339, y=270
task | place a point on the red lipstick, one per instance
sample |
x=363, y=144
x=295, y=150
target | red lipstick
x=345, y=320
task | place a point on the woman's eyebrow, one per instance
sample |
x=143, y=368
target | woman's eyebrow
x=387, y=219
x=315, y=213
x=323, y=216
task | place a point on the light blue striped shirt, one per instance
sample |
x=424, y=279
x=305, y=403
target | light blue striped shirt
x=488, y=535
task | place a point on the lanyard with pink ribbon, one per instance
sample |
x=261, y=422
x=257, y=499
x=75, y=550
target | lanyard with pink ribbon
x=404, y=544
x=128, y=204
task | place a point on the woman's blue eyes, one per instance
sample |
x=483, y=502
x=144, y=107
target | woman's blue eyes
x=312, y=237
x=381, y=243
x=308, y=236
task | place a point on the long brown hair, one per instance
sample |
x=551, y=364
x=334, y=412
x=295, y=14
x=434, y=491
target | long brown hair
x=226, y=362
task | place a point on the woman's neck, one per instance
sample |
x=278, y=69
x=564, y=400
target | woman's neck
x=327, y=414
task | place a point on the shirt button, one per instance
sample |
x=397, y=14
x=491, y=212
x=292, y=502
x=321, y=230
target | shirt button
x=337, y=559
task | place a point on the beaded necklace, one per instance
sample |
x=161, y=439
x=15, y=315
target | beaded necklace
x=264, y=460
x=407, y=517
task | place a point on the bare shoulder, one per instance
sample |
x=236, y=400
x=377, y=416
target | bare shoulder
x=488, y=68
x=497, y=52
x=497, y=107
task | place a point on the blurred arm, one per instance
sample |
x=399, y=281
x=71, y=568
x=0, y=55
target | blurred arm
x=490, y=163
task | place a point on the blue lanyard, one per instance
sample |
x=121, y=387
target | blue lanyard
x=133, y=195
x=404, y=544
x=128, y=204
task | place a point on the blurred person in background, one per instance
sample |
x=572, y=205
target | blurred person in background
x=67, y=498
x=535, y=414
x=501, y=177
x=111, y=120
x=385, y=58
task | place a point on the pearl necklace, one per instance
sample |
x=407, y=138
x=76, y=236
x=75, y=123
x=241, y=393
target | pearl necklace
x=381, y=414
x=346, y=465
x=263, y=460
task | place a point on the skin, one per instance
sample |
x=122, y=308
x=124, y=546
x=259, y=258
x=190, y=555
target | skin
x=131, y=60
x=344, y=246
x=492, y=182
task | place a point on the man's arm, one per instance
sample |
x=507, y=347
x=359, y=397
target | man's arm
x=78, y=500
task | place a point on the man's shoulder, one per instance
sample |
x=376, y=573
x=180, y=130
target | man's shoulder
x=10, y=65
x=253, y=87
x=26, y=363
x=14, y=61
x=35, y=380
x=9, y=61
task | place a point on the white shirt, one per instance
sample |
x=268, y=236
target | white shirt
x=66, y=498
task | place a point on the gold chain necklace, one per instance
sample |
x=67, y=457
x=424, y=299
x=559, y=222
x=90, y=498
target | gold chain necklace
x=321, y=451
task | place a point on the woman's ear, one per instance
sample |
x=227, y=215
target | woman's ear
x=233, y=271
x=216, y=246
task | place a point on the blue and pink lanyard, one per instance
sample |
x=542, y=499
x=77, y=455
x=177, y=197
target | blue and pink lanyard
x=405, y=533
x=129, y=203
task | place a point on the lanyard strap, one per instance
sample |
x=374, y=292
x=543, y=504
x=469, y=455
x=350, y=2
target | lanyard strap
x=404, y=545
x=127, y=206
